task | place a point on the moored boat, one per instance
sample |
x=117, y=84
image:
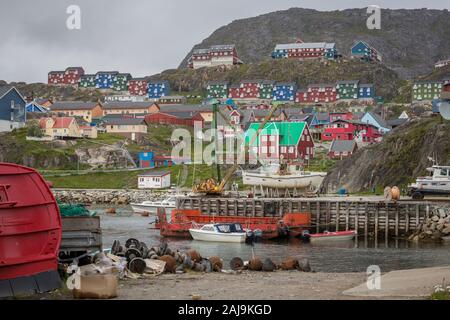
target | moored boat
x=294, y=177
x=219, y=232
x=152, y=206
x=436, y=184
x=333, y=236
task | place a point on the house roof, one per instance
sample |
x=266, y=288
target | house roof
x=181, y=114
x=289, y=132
x=343, y=145
x=73, y=105
x=293, y=84
x=184, y=107
x=396, y=122
x=348, y=82
x=378, y=119
x=323, y=116
x=154, y=174
x=58, y=122
x=5, y=89
x=304, y=45
x=124, y=121
x=172, y=97
x=222, y=47
x=126, y=105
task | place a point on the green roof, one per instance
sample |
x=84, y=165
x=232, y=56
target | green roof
x=290, y=132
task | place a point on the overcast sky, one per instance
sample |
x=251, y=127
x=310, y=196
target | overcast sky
x=141, y=37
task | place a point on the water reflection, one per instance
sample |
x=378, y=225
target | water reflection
x=326, y=256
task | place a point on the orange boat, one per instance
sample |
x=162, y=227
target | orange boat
x=271, y=227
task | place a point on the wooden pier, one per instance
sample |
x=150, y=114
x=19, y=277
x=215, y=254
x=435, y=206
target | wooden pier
x=370, y=216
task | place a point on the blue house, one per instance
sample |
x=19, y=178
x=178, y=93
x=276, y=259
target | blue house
x=364, y=51
x=36, y=107
x=146, y=159
x=366, y=91
x=105, y=79
x=284, y=91
x=12, y=109
x=374, y=119
x=158, y=89
x=320, y=119
x=281, y=51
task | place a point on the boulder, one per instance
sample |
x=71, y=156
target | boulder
x=303, y=265
x=171, y=264
x=289, y=264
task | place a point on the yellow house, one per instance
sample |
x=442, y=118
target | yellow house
x=84, y=110
x=127, y=107
x=131, y=128
x=61, y=127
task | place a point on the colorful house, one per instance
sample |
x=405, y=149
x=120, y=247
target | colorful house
x=341, y=149
x=72, y=75
x=87, y=81
x=56, y=78
x=85, y=110
x=138, y=86
x=374, y=119
x=291, y=140
x=364, y=51
x=266, y=89
x=305, y=50
x=33, y=106
x=347, y=89
x=284, y=91
x=157, y=89
x=216, y=55
x=127, y=107
x=154, y=180
x=350, y=130
x=105, y=79
x=60, y=127
x=120, y=81
x=321, y=93
x=131, y=128
x=181, y=118
x=146, y=159
x=217, y=89
x=426, y=90
x=366, y=91
x=442, y=63
x=340, y=116
x=12, y=109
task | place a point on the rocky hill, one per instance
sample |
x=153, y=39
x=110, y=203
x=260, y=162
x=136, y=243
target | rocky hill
x=409, y=40
x=387, y=82
x=42, y=90
x=397, y=160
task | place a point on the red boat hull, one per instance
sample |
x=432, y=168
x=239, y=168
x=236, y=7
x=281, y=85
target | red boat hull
x=271, y=227
x=30, y=231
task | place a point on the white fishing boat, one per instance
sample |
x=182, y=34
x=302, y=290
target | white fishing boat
x=219, y=232
x=438, y=183
x=294, y=177
x=333, y=236
x=151, y=206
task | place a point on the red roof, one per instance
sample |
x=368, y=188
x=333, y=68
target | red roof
x=59, y=122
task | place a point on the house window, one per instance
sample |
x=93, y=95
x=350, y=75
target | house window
x=264, y=149
x=291, y=149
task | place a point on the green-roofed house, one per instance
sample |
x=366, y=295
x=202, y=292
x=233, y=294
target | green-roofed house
x=292, y=140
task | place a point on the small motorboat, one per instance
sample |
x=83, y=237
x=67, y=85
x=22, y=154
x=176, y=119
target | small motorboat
x=151, y=206
x=333, y=236
x=219, y=232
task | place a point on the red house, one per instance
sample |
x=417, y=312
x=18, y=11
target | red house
x=321, y=92
x=249, y=89
x=72, y=75
x=340, y=115
x=350, y=130
x=56, y=78
x=289, y=140
x=301, y=96
x=138, y=86
x=234, y=91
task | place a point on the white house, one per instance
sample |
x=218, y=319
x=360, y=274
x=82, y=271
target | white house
x=154, y=180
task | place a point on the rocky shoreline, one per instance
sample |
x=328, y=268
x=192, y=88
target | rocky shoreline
x=435, y=227
x=106, y=196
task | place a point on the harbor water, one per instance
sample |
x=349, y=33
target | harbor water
x=347, y=256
